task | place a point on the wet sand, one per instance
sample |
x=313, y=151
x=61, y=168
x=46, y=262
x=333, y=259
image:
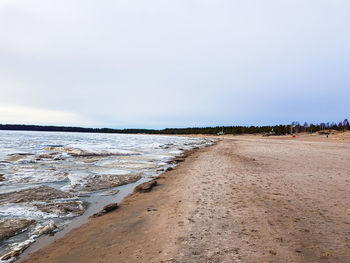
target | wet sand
x=245, y=199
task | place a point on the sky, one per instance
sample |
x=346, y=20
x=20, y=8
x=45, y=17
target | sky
x=179, y=63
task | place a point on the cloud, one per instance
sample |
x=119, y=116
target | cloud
x=11, y=114
x=163, y=63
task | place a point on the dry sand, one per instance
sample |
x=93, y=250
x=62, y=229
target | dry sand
x=245, y=199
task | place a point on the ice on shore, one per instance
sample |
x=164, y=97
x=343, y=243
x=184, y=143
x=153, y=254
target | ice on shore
x=100, y=182
x=43, y=174
x=41, y=193
x=11, y=227
x=87, y=151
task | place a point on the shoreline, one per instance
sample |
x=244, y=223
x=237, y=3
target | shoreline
x=62, y=169
x=125, y=201
x=240, y=200
x=125, y=191
x=77, y=221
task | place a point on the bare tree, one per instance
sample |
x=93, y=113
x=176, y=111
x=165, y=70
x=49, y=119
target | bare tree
x=306, y=125
x=340, y=125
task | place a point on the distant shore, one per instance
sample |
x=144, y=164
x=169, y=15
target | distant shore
x=245, y=199
x=281, y=129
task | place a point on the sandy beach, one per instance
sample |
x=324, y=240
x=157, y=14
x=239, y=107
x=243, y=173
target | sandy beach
x=244, y=199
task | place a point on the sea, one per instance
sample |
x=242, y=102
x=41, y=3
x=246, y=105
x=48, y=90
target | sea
x=84, y=171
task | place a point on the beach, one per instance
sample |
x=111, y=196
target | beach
x=243, y=199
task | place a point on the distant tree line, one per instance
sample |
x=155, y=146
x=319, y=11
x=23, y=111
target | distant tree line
x=22, y=127
x=276, y=129
x=340, y=126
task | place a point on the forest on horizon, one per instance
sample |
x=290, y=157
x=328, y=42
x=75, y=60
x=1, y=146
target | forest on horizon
x=294, y=127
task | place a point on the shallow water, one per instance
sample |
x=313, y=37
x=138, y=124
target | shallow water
x=85, y=165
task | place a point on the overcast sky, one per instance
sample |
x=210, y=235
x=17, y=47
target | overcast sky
x=179, y=63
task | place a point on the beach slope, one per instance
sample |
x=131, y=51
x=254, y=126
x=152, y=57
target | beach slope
x=244, y=199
